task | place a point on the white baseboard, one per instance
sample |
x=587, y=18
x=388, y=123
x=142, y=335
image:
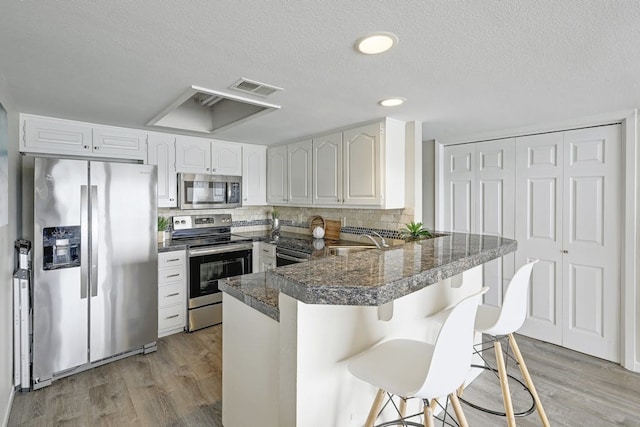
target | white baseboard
x=5, y=419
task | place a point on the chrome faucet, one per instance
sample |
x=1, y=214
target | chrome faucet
x=383, y=243
x=372, y=239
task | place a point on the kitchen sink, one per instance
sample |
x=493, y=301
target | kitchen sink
x=346, y=250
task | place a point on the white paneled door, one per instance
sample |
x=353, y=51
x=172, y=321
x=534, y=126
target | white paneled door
x=591, y=241
x=568, y=215
x=459, y=195
x=539, y=165
x=495, y=189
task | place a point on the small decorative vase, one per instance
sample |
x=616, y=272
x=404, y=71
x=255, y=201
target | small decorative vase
x=275, y=225
x=160, y=236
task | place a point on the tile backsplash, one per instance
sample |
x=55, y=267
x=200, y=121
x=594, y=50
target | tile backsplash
x=354, y=221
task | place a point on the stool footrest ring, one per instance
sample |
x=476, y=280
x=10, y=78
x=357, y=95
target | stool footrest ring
x=498, y=413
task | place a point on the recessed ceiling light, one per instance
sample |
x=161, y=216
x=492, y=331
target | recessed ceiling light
x=376, y=43
x=392, y=102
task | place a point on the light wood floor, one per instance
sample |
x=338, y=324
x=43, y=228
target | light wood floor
x=181, y=385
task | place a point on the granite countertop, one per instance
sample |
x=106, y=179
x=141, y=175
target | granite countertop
x=369, y=278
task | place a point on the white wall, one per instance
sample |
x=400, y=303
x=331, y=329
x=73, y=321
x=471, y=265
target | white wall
x=429, y=184
x=8, y=235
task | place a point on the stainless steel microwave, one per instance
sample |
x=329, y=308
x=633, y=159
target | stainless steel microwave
x=209, y=191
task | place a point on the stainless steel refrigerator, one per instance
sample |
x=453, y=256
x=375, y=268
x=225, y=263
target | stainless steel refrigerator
x=95, y=291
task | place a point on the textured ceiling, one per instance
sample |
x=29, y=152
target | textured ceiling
x=464, y=66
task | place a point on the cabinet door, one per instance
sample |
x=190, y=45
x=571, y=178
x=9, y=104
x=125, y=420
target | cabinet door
x=119, y=143
x=161, y=152
x=458, y=172
x=226, y=158
x=254, y=175
x=44, y=135
x=327, y=170
x=539, y=176
x=193, y=155
x=495, y=190
x=362, y=166
x=277, y=175
x=299, y=165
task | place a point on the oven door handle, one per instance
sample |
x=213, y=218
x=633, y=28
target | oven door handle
x=290, y=258
x=220, y=249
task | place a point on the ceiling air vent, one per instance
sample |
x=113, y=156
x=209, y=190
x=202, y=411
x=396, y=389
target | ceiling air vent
x=254, y=88
x=209, y=111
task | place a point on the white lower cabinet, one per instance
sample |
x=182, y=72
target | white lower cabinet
x=172, y=292
x=264, y=257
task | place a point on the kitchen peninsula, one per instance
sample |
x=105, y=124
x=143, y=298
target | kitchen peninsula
x=288, y=333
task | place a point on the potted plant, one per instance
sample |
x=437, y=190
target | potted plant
x=415, y=231
x=163, y=225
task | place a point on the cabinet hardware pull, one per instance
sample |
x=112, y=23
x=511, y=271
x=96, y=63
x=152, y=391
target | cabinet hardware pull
x=173, y=317
x=172, y=295
x=86, y=147
x=564, y=251
x=96, y=148
x=173, y=275
x=173, y=259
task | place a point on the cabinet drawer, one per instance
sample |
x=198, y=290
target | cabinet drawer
x=171, y=317
x=171, y=294
x=170, y=259
x=267, y=250
x=168, y=275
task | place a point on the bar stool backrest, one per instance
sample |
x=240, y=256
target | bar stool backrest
x=452, y=351
x=514, y=305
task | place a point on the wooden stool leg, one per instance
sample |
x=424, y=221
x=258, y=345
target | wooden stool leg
x=375, y=408
x=527, y=379
x=462, y=420
x=504, y=384
x=460, y=390
x=403, y=407
x=428, y=415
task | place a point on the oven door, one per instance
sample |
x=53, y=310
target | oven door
x=208, y=265
x=288, y=257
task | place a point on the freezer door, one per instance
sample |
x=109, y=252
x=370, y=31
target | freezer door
x=60, y=302
x=124, y=267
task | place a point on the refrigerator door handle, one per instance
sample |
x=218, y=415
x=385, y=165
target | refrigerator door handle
x=94, y=240
x=84, y=240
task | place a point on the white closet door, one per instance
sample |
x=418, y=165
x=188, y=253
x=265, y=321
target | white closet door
x=459, y=195
x=495, y=189
x=591, y=228
x=539, y=166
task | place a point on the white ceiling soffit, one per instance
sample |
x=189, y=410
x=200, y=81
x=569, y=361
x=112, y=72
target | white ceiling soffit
x=208, y=111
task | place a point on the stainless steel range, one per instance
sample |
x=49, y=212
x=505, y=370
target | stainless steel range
x=214, y=253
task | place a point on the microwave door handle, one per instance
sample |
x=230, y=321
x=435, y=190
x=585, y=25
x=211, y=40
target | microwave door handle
x=94, y=240
x=84, y=238
x=229, y=187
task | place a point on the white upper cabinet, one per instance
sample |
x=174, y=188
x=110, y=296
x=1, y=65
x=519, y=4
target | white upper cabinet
x=363, y=166
x=327, y=169
x=193, y=155
x=254, y=175
x=162, y=153
x=120, y=143
x=277, y=184
x=226, y=158
x=66, y=137
x=205, y=156
x=299, y=166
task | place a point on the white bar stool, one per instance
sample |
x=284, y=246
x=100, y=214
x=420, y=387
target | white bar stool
x=503, y=322
x=409, y=368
